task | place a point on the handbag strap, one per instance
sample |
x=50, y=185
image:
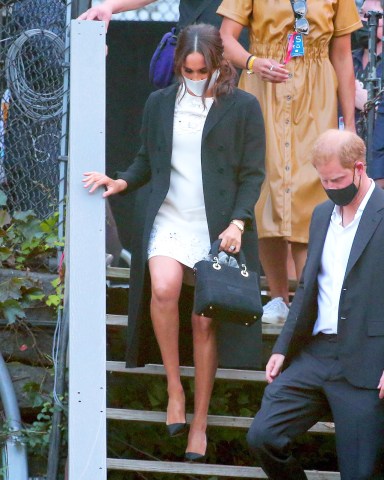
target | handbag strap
x=240, y=257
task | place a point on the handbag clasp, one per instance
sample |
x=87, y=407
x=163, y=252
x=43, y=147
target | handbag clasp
x=216, y=264
x=244, y=272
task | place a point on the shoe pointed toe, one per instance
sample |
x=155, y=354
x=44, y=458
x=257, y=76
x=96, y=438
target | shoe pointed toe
x=176, y=429
x=193, y=457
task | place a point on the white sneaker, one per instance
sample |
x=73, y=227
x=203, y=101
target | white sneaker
x=275, y=311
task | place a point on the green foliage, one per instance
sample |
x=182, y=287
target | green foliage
x=36, y=434
x=26, y=243
x=17, y=293
x=56, y=300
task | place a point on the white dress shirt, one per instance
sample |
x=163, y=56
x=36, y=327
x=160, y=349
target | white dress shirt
x=337, y=247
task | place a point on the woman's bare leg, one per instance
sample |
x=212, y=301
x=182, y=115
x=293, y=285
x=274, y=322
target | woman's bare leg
x=166, y=280
x=205, y=360
x=299, y=254
x=273, y=256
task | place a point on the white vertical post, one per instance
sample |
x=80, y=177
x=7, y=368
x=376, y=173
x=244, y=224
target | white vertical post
x=86, y=255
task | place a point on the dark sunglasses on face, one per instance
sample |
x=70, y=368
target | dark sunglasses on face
x=301, y=23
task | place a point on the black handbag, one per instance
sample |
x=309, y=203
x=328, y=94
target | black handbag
x=226, y=292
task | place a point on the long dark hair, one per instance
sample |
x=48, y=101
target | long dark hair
x=205, y=39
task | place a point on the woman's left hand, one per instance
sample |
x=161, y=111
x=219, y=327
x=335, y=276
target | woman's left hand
x=231, y=237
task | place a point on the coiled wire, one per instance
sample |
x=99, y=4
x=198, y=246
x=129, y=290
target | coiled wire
x=20, y=76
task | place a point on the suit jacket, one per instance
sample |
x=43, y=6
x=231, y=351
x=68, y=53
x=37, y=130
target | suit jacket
x=232, y=162
x=361, y=307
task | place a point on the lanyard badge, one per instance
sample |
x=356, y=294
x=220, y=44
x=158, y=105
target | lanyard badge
x=295, y=46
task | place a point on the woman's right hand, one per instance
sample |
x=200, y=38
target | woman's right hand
x=96, y=180
x=270, y=71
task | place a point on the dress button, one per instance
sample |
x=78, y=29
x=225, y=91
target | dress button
x=286, y=121
x=287, y=144
x=287, y=168
x=287, y=190
x=289, y=97
x=290, y=75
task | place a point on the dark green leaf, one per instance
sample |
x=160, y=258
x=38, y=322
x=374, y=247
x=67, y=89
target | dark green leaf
x=12, y=311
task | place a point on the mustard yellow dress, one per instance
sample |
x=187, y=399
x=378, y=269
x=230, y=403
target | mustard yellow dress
x=296, y=111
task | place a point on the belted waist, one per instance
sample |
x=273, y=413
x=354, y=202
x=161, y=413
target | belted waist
x=278, y=50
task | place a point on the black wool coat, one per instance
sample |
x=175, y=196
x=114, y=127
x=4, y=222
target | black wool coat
x=232, y=161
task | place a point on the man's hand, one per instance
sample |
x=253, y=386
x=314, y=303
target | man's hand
x=381, y=387
x=274, y=365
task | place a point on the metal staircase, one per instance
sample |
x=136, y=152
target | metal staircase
x=223, y=421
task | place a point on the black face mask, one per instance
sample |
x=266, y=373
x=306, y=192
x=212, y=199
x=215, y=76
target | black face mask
x=360, y=37
x=343, y=196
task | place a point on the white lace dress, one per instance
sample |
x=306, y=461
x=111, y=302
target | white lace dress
x=180, y=229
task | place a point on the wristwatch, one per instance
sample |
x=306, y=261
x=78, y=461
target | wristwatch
x=238, y=224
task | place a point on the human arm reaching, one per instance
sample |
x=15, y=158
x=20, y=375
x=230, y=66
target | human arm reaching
x=104, y=11
x=340, y=55
x=268, y=69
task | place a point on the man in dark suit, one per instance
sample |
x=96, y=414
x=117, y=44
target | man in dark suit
x=331, y=349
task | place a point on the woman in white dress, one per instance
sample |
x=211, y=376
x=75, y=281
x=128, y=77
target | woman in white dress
x=203, y=154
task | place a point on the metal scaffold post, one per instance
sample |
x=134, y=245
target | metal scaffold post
x=85, y=263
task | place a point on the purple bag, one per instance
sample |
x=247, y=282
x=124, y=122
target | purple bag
x=161, y=65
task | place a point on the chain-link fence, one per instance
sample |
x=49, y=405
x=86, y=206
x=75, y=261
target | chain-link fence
x=33, y=91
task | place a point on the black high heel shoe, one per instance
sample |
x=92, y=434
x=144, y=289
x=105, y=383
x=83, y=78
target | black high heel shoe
x=176, y=429
x=193, y=457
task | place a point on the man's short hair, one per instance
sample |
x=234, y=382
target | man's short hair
x=348, y=147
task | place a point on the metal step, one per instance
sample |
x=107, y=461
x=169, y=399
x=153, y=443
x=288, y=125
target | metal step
x=222, y=373
x=122, y=321
x=204, y=469
x=213, y=420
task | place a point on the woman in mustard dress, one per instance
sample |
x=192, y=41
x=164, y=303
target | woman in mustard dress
x=298, y=97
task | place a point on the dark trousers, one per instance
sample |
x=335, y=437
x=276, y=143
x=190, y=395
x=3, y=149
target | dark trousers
x=310, y=387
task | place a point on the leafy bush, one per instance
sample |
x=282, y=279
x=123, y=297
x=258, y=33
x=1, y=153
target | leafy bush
x=26, y=243
x=36, y=435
